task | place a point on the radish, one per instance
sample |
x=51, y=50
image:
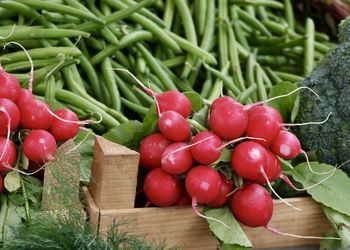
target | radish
x=162, y=189
x=63, y=130
x=14, y=115
x=35, y=115
x=248, y=159
x=205, y=147
x=177, y=158
x=225, y=190
x=174, y=126
x=203, y=184
x=39, y=146
x=220, y=100
x=184, y=200
x=272, y=168
x=252, y=205
x=263, y=125
x=1, y=183
x=9, y=86
x=24, y=96
x=228, y=119
x=169, y=100
x=286, y=145
x=151, y=149
x=8, y=154
x=267, y=110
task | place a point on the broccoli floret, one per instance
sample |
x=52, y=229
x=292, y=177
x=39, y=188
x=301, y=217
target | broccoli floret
x=331, y=80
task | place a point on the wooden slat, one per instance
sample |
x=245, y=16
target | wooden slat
x=92, y=209
x=177, y=225
x=113, y=175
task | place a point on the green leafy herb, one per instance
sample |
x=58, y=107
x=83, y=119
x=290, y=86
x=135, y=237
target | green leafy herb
x=202, y=116
x=328, y=244
x=233, y=236
x=287, y=106
x=233, y=247
x=195, y=99
x=334, y=192
x=12, y=181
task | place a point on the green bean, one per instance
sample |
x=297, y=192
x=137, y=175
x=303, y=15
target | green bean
x=95, y=43
x=289, y=77
x=261, y=12
x=126, y=91
x=140, y=110
x=25, y=65
x=265, y=77
x=156, y=68
x=127, y=40
x=147, y=24
x=250, y=10
x=50, y=90
x=92, y=76
x=111, y=84
x=273, y=76
x=309, y=46
x=260, y=84
x=174, y=62
x=141, y=65
x=253, y=22
x=222, y=34
x=200, y=15
x=78, y=5
x=19, y=8
x=266, y=3
x=59, y=18
x=169, y=12
x=263, y=40
x=73, y=85
x=151, y=16
x=273, y=60
x=6, y=14
x=143, y=96
x=321, y=37
x=82, y=103
x=115, y=17
x=246, y=94
x=192, y=49
x=250, y=65
x=206, y=87
x=122, y=59
x=237, y=29
x=60, y=8
x=216, y=91
x=289, y=14
x=40, y=53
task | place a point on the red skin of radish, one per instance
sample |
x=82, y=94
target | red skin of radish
x=203, y=184
x=1, y=183
x=207, y=151
x=184, y=200
x=151, y=149
x=174, y=126
x=24, y=96
x=273, y=169
x=9, y=86
x=176, y=101
x=286, y=145
x=226, y=188
x=220, y=100
x=180, y=161
x=162, y=189
x=264, y=126
x=268, y=110
x=10, y=154
x=228, y=119
x=252, y=205
x=14, y=113
x=62, y=130
x=39, y=146
x=248, y=159
x=34, y=115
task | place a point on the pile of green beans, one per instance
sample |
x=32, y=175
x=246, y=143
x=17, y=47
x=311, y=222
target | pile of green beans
x=239, y=48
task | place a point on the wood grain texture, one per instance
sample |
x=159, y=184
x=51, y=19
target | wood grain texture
x=113, y=175
x=92, y=209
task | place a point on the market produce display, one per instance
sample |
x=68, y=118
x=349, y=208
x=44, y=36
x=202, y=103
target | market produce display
x=206, y=91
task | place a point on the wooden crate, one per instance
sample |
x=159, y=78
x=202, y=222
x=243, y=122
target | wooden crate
x=111, y=194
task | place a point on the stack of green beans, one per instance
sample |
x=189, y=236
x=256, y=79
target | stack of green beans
x=239, y=48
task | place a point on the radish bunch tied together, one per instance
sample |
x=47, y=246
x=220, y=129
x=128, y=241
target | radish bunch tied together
x=182, y=165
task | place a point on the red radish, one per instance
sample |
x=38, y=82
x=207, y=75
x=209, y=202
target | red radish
x=252, y=205
x=64, y=130
x=9, y=86
x=224, y=195
x=169, y=100
x=184, y=200
x=151, y=149
x=24, y=96
x=162, y=189
x=177, y=158
x=205, y=147
x=267, y=110
x=174, y=126
x=35, y=115
x=286, y=145
x=248, y=159
x=273, y=169
x=264, y=126
x=203, y=184
x=8, y=154
x=220, y=100
x=39, y=146
x=228, y=119
x=1, y=183
x=12, y=111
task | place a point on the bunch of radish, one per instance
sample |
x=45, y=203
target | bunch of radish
x=181, y=165
x=26, y=117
